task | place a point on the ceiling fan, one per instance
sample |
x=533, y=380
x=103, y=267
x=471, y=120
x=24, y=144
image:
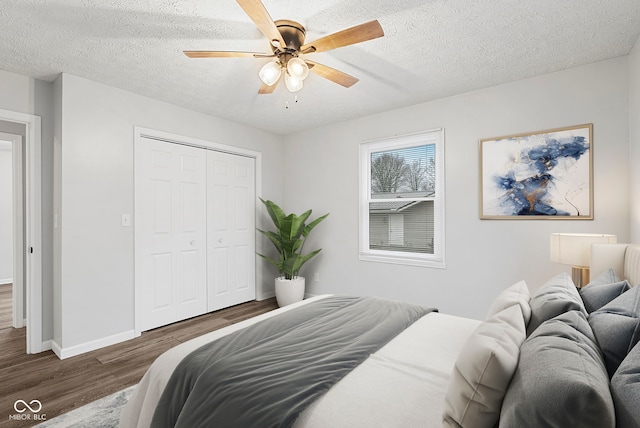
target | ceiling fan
x=287, y=43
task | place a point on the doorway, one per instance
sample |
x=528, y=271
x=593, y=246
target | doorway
x=12, y=227
x=28, y=127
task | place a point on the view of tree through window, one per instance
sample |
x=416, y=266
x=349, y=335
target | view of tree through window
x=404, y=170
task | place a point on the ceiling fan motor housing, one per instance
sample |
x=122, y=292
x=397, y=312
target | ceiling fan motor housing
x=293, y=35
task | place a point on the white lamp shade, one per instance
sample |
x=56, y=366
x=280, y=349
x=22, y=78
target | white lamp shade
x=298, y=68
x=270, y=73
x=293, y=83
x=575, y=248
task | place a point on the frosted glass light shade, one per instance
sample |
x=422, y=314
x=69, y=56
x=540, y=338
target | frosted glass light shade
x=575, y=248
x=270, y=73
x=293, y=83
x=298, y=68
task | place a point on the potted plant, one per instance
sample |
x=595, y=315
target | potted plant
x=288, y=238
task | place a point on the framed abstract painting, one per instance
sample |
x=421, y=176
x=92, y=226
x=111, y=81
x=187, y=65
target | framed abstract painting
x=539, y=175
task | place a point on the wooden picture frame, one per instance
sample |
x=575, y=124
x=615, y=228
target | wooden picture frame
x=538, y=175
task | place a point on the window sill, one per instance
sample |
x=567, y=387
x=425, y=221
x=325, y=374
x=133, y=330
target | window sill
x=404, y=260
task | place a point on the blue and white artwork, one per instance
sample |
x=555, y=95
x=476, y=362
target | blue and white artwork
x=544, y=174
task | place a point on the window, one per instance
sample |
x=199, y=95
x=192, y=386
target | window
x=402, y=200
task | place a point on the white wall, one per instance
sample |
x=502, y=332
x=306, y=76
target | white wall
x=56, y=300
x=6, y=213
x=634, y=140
x=483, y=257
x=94, y=167
x=43, y=103
x=16, y=92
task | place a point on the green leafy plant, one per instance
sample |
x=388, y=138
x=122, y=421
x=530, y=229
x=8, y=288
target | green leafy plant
x=291, y=232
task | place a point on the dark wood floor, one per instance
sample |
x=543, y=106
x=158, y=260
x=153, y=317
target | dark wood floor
x=62, y=385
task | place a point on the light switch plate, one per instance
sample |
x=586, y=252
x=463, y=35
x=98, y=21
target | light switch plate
x=126, y=220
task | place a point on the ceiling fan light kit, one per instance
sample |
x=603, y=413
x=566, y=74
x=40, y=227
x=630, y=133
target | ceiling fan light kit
x=296, y=70
x=287, y=43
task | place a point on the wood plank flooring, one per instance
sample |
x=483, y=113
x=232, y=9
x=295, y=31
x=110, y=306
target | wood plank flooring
x=62, y=385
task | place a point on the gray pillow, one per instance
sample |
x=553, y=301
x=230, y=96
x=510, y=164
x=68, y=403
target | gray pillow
x=555, y=297
x=560, y=380
x=625, y=388
x=617, y=327
x=603, y=289
x=606, y=277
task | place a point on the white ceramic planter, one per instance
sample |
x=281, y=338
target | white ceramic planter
x=289, y=291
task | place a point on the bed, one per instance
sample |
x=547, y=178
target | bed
x=556, y=356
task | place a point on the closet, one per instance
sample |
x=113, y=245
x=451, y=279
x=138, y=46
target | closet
x=194, y=231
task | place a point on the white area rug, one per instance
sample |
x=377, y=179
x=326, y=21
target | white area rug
x=103, y=413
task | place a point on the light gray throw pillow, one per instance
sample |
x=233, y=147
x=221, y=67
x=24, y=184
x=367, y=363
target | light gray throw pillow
x=483, y=370
x=517, y=294
x=560, y=380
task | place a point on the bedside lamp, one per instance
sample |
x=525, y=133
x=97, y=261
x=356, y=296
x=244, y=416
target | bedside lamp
x=575, y=249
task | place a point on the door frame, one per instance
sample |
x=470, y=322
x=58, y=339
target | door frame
x=32, y=225
x=142, y=132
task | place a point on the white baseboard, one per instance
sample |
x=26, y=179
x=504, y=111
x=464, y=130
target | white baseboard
x=6, y=281
x=270, y=294
x=47, y=345
x=18, y=325
x=56, y=348
x=72, y=351
x=265, y=296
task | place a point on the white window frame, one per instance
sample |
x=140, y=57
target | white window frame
x=435, y=260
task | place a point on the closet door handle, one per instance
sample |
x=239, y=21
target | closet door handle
x=193, y=242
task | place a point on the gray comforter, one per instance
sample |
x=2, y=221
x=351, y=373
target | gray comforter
x=265, y=375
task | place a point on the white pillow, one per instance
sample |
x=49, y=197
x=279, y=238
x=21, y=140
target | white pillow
x=517, y=294
x=483, y=371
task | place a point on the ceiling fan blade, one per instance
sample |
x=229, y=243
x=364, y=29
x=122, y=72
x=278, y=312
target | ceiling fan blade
x=260, y=16
x=350, y=36
x=266, y=89
x=332, y=74
x=221, y=54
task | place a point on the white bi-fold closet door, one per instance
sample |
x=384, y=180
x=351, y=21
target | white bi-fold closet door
x=230, y=229
x=194, y=231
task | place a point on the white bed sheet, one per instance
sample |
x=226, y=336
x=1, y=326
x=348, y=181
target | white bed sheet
x=401, y=385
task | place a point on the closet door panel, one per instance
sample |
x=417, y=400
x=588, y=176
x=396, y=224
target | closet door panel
x=231, y=226
x=170, y=233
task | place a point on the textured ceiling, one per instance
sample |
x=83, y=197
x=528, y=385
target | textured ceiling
x=431, y=49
